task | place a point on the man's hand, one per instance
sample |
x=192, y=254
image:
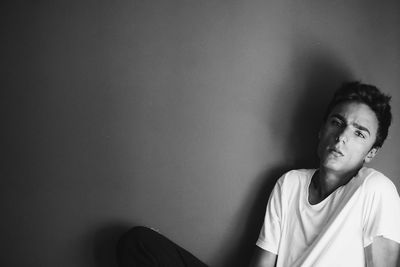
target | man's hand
x=263, y=258
x=382, y=252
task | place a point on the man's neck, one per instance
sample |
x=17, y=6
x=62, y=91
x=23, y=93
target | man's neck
x=325, y=182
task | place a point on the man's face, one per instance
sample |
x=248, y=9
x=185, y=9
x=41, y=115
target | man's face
x=347, y=136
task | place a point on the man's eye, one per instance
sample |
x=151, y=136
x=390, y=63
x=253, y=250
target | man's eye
x=336, y=123
x=359, y=134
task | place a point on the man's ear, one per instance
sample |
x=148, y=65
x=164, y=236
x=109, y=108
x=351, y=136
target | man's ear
x=371, y=154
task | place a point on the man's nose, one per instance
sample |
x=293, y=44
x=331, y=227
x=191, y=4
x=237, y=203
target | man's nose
x=342, y=136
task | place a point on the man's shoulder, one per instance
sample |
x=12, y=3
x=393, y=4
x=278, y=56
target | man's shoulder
x=375, y=181
x=296, y=176
x=300, y=173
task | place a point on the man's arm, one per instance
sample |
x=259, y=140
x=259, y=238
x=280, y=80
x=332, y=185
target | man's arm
x=382, y=252
x=263, y=258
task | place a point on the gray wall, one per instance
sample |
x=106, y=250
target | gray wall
x=178, y=115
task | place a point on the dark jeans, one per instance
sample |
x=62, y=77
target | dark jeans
x=143, y=247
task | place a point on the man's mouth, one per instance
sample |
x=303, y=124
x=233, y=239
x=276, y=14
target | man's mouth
x=336, y=152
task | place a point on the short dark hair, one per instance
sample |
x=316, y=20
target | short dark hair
x=371, y=96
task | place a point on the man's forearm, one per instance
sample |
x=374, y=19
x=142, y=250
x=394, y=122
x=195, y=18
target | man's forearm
x=263, y=258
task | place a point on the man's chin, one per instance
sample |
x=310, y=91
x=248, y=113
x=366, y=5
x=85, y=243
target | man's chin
x=337, y=167
x=332, y=165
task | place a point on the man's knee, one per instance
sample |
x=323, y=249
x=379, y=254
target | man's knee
x=142, y=246
x=137, y=234
x=132, y=243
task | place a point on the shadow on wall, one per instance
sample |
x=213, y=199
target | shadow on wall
x=322, y=75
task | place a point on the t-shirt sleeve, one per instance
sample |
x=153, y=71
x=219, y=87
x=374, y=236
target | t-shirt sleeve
x=270, y=233
x=381, y=211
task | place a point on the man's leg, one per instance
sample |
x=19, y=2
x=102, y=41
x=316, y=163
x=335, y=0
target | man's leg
x=143, y=247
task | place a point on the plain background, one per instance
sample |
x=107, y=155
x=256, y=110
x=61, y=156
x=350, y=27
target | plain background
x=179, y=115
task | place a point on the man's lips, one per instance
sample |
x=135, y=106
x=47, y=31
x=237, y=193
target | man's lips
x=336, y=152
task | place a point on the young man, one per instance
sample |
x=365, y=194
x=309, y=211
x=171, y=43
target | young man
x=342, y=214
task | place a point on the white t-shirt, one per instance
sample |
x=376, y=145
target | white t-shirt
x=335, y=231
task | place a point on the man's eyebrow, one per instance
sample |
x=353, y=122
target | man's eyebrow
x=338, y=116
x=358, y=126
x=362, y=128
